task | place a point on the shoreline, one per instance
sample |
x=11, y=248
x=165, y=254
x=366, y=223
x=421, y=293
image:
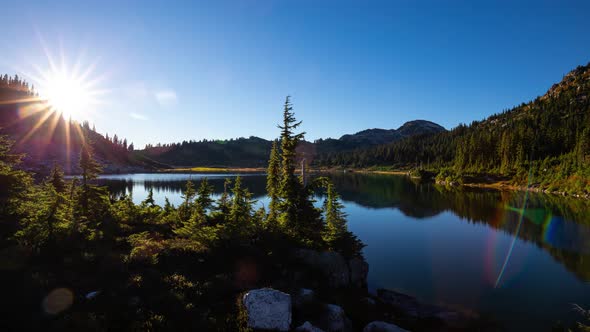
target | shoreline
x=499, y=184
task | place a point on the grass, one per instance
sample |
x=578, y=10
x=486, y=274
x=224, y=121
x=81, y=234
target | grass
x=203, y=169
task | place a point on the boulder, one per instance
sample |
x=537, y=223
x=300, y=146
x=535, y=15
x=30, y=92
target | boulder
x=334, y=319
x=379, y=326
x=303, y=297
x=308, y=327
x=268, y=309
x=338, y=271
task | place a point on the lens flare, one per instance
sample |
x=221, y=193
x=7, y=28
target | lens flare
x=521, y=211
x=58, y=300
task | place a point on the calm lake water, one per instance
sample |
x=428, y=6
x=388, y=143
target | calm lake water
x=520, y=260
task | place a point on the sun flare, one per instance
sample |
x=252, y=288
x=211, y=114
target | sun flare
x=68, y=88
x=66, y=94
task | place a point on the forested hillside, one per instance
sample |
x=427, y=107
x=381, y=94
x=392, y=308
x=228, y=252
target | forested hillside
x=47, y=138
x=253, y=151
x=549, y=136
x=241, y=152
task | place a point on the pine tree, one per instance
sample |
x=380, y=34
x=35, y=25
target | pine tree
x=149, y=201
x=168, y=207
x=56, y=178
x=336, y=233
x=290, y=186
x=335, y=217
x=272, y=184
x=204, y=199
x=223, y=205
x=184, y=210
x=90, y=170
x=193, y=225
x=241, y=207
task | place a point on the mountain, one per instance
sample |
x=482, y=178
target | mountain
x=546, y=140
x=46, y=138
x=254, y=151
x=382, y=136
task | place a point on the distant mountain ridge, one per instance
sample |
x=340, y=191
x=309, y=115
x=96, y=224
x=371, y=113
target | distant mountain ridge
x=47, y=138
x=378, y=136
x=254, y=151
x=544, y=142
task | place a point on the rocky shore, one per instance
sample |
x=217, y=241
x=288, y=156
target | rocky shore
x=333, y=296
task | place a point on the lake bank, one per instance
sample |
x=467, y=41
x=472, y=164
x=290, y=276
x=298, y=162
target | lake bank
x=208, y=170
x=483, y=181
x=417, y=233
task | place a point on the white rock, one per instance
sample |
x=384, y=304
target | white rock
x=268, y=309
x=308, y=327
x=378, y=326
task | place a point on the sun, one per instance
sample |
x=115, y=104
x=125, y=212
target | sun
x=71, y=89
x=66, y=94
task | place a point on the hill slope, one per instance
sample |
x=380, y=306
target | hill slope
x=46, y=138
x=383, y=136
x=549, y=136
x=254, y=151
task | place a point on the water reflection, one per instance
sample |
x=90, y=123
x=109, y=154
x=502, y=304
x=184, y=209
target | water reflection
x=559, y=226
x=463, y=246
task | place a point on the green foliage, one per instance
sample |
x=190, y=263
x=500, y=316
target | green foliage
x=449, y=176
x=552, y=130
x=273, y=177
x=74, y=230
x=14, y=184
x=56, y=178
x=336, y=234
x=184, y=210
x=47, y=219
x=204, y=199
x=289, y=186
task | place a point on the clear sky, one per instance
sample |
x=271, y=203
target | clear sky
x=171, y=71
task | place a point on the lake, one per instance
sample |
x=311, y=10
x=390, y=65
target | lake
x=520, y=259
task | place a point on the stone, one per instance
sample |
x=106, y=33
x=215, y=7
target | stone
x=268, y=309
x=303, y=297
x=379, y=326
x=308, y=327
x=334, y=319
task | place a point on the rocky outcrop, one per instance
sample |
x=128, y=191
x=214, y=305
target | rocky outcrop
x=334, y=319
x=338, y=271
x=268, y=309
x=379, y=326
x=303, y=297
x=410, y=306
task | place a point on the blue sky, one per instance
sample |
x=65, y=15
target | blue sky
x=172, y=71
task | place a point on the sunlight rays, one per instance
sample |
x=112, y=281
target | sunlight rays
x=65, y=94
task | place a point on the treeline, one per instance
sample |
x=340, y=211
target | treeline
x=15, y=83
x=46, y=137
x=241, y=152
x=548, y=139
x=96, y=262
